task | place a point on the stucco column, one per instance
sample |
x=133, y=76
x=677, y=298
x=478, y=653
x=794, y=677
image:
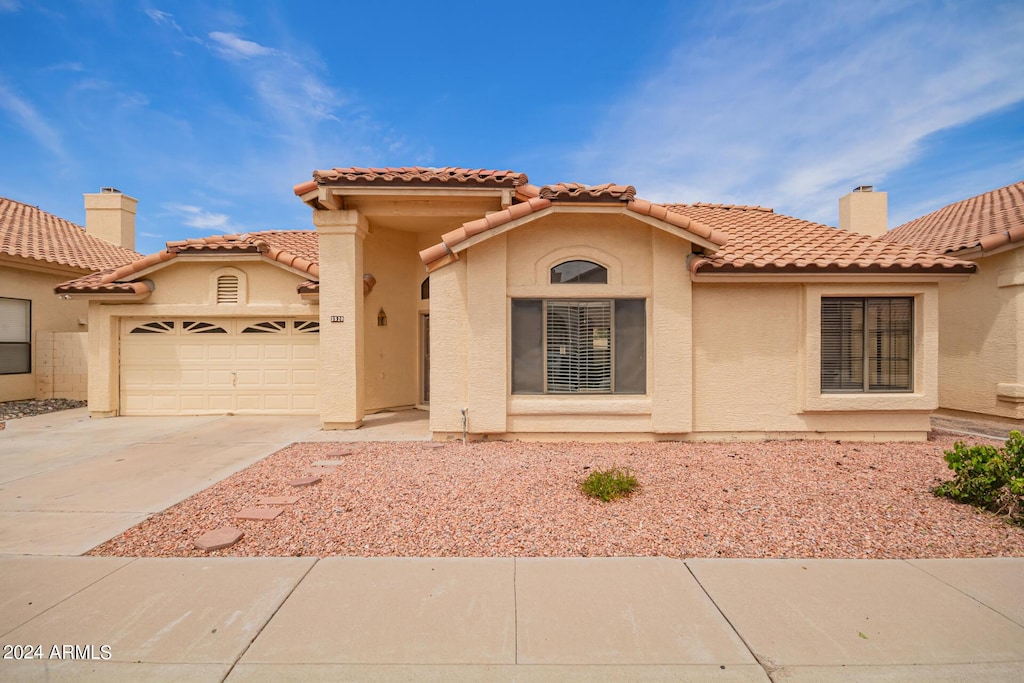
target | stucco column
x=341, y=235
x=104, y=341
x=671, y=340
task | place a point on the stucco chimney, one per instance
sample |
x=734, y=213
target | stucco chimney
x=864, y=211
x=110, y=215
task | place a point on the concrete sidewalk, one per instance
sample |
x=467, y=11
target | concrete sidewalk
x=536, y=619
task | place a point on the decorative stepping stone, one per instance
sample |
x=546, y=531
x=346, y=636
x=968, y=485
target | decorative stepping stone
x=278, y=500
x=327, y=463
x=304, y=481
x=218, y=538
x=260, y=514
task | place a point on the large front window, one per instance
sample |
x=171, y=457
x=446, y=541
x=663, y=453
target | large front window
x=866, y=344
x=579, y=346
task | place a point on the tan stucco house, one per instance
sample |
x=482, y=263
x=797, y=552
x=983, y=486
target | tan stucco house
x=511, y=310
x=42, y=340
x=981, y=319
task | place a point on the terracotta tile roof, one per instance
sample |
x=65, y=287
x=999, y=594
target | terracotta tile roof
x=535, y=199
x=761, y=240
x=568, y=192
x=29, y=232
x=987, y=221
x=295, y=248
x=419, y=176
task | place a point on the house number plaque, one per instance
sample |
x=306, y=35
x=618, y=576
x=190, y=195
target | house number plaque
x=337, y=318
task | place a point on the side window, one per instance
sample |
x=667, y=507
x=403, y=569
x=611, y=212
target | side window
x=15, y=336
x=867, y=344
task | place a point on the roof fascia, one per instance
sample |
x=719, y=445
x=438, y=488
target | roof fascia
x=976, y=252
x=105, y=296
x=585, y=208
x=852, y=277
x=212, y=256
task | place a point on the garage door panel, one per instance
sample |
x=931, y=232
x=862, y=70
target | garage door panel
x=221, y=351
x=247, y=352
x=176, y=371
x=304, y=378
x=275, y=378
x=246, y=379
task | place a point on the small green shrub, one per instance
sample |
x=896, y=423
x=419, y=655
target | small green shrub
x=609, y=484
x=988, y=477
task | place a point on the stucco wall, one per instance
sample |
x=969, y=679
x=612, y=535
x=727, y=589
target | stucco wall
x=724, y=360
x=757, y=360
x=185, y=288
x=48, y=315
x=982, y=338
x=391, y=351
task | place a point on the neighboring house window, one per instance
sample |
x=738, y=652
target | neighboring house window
x=425, y=289
x=15, y=336
x=580, y=346
x=579, y=271
x=866, y=344
x=227, y=289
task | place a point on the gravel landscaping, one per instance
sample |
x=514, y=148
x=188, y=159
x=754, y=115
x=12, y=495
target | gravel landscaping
x=762, y=499
x=10, y=410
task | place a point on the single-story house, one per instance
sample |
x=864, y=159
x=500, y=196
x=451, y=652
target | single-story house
x=981, y=319
x=514, y=311
x=42, y=342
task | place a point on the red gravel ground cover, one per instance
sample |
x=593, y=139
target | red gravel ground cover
x=782, y=499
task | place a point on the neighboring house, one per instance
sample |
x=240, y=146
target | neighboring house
x=981, y=320
x=511, y=310
x=42, y=340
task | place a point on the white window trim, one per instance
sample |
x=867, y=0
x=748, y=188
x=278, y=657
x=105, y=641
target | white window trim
x=925, y=395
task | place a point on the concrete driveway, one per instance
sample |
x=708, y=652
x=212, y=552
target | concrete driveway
x=68, y=482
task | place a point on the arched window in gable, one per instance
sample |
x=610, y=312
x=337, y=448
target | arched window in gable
x=578, y=271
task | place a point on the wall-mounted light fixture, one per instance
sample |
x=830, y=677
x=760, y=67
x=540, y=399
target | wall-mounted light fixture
x=382, y=318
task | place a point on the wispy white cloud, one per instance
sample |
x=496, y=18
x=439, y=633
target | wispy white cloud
x=28, y=118
x=66, y=66
x=9, y=5
x=797, y=103
x=167, y=19
x=233, y=47
x=200, y=219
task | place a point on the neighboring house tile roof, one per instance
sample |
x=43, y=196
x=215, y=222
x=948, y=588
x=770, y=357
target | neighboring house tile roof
x=418, y=176
x=986, y=222
x=294, y=248
x=761, y=240
x=29, y=232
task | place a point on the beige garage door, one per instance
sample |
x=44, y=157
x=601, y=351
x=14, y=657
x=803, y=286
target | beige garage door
x=219, y=366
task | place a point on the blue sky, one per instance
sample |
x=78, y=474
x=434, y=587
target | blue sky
x=209, y=112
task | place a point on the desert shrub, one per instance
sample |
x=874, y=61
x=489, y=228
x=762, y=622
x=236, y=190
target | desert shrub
x=609, y=484
x=988, y=477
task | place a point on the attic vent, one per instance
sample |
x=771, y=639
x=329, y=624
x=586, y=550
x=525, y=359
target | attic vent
x=227, y=289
